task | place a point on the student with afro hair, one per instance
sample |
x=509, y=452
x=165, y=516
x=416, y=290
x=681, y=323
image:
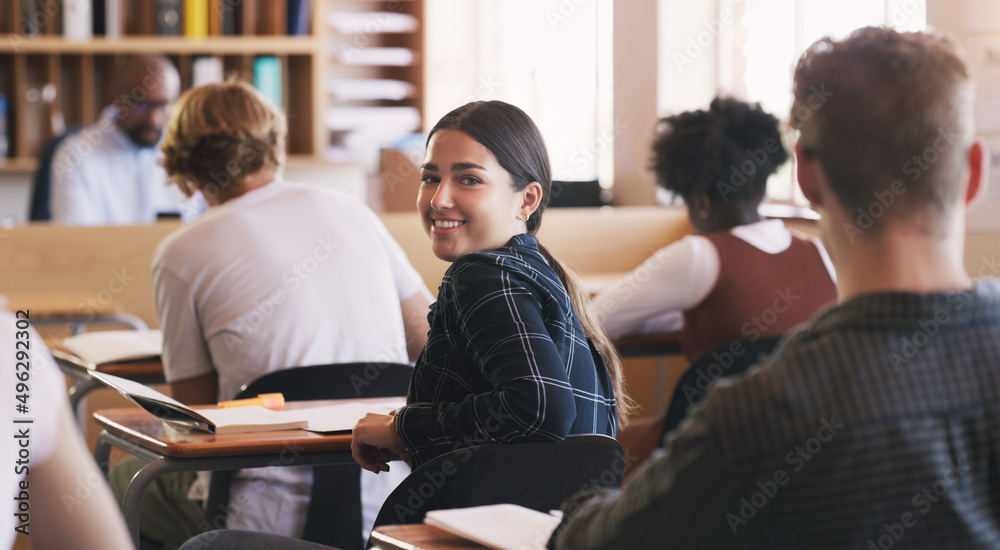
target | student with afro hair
x=741, y=277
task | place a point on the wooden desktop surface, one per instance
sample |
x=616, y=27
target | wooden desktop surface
x=138, y=426
x=139, y=369
x=418, y=537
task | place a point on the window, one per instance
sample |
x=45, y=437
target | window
x=756, y=44
x=551, y=58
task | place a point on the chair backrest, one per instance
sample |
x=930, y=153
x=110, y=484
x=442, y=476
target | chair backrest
x=41, y=187
x=334, y=513
x=714, y=365
x=335, y=381
x=539, y=476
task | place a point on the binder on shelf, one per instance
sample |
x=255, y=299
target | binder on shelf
x=267, y=78
x=113, y=20
x=108, y=20
x=31, y=18
x=99, y=22
x=273, y=17
x=215, y=9
x=78, y=23
x=299, y=17
x=139, y=17
x=246, y=18
x=196, y=18
x=168, y=17
x=229, y=15
x=206, y=70
x=4, y=140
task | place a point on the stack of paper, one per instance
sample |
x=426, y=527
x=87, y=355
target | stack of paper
x=499, y=526
x=395, y=57
x=371, y=22
x=348, y=89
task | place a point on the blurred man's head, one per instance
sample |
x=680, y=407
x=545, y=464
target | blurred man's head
x=889, y=118
x=146, y=86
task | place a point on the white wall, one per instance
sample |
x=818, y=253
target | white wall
x=15, y=193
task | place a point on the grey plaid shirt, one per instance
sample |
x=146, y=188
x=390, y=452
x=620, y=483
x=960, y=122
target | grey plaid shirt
x=877, y=427
x=506, y=360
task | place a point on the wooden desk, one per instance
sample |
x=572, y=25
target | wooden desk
x=418, y=537
x=659, y=346
x=168, y=450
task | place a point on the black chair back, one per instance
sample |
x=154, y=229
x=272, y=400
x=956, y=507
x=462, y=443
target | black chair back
x=41, y=187
x=539, y=476
x=334, y=514
x=701, y=373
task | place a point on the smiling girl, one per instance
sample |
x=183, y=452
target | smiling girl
x=514, y=353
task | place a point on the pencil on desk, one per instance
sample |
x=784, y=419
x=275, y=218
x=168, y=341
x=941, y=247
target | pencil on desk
x=275, y=401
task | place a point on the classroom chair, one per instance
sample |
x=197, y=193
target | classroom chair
x=539, y=476
x=691, y=385
x=644, y=435
x=41, y=195
x=334, y=514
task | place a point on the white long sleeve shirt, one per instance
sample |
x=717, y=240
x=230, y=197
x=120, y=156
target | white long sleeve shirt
x=653, y=297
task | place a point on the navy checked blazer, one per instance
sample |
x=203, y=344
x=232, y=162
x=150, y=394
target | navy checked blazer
x=506, y=360
x=877, y=427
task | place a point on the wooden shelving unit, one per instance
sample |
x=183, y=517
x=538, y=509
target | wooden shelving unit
x=49, y=80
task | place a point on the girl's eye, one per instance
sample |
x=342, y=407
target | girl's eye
x=470, y=180
x=428, y=178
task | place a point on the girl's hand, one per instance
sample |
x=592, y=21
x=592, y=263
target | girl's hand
x=375, y=441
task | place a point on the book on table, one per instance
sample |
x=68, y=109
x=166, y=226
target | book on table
x=111, y=346
x=340, y=417
x=498, y=526
x=217, y=421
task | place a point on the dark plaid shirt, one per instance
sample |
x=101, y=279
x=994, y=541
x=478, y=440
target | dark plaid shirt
x=506, y=360
x=877, y=427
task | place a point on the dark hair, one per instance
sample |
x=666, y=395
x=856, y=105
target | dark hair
x=885, y=110
x=512, y=137
x=726, y=152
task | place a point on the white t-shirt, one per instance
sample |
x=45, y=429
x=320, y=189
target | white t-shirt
x=653, y=297
x=101, y=177
x=283, y=276
x=38, y=428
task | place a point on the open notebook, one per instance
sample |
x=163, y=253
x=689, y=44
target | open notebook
x=499, y=526
x=110, y=346
x=325, y=419
x=218, y=421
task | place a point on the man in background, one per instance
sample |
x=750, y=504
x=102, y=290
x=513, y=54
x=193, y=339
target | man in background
x=878, y=425
x=107, y=173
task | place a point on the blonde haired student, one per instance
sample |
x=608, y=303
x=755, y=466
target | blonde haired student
x=274, y=275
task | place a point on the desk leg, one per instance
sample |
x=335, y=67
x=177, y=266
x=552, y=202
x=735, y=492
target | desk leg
x=133, y=493
x=102, y=452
